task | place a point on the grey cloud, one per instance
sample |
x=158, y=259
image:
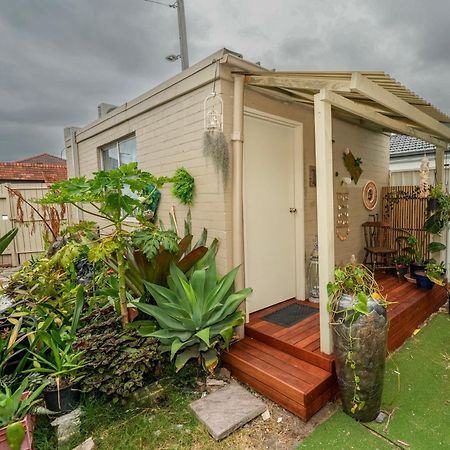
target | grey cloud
x=60, y=58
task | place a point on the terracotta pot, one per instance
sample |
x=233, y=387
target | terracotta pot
x=27, y=443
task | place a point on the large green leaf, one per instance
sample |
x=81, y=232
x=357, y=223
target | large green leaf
x=204, y=335
x=210, y=359
x=164, y=320
x=184, y=357
x=218, y=294
x=6, y=239
x=229, y=306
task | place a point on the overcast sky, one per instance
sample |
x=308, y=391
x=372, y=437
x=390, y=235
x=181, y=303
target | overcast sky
x=60, y=58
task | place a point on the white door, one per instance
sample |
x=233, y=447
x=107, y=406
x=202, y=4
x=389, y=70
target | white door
x=273, y=211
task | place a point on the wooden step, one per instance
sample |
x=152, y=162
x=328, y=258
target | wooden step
x=299, y=386
x=312, y=356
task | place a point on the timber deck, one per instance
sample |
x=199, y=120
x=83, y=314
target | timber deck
x=285, y=363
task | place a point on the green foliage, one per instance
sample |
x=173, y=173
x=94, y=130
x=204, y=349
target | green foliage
x=151, y=239
x=439, y=217
x=57, y=359
x=183, y=186
x=196, y=315
x=436, y=272
x=358, y=282
x=117, y=361
x=114, y=196
x=414, y=247
x=13, y=408
x=6, y=239
x=151, y=253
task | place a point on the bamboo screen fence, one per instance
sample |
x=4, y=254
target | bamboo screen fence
x=405, y=217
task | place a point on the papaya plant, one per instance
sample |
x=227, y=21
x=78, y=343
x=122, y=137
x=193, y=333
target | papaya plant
x=115, y=196
x=197, y=314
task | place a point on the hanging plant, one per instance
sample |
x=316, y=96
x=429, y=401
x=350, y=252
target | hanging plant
x=215, y=146
x=183, y=186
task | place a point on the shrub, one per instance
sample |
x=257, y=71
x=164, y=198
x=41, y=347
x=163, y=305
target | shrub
x=118, y=360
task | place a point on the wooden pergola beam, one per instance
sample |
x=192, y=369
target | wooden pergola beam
x=369, y=89
x=313, y=84
x=369, y=113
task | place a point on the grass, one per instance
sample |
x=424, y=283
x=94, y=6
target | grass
x=416, y=394
x=418, y=399
x=113, y=426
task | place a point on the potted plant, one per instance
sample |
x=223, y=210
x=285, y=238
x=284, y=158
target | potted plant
x=359, y=326
x=402, y=263
x=414, y=249
x=435, y=273
x=63, y=366
x=16, y=425
x=438, y=208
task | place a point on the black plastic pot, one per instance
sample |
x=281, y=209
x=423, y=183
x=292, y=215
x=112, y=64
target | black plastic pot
x=432, y=204
x=365, y=339
x=63, y=401
x=416, y=267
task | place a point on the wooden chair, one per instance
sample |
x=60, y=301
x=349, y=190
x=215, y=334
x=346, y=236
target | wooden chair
x=378, y=255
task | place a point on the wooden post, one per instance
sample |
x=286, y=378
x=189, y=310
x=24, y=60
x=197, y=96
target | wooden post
x=325, y=210
x=440, y=171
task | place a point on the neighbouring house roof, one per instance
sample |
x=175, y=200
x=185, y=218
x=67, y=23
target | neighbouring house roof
x=43, y=158
x=401, y=146
x=40, y=171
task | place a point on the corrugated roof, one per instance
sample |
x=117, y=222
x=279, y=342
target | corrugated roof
x=401, y=145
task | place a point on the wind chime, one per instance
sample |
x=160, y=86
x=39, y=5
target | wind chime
x=215, y=146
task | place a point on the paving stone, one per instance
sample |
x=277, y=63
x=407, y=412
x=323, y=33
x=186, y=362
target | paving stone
x=67, y=425
x=88, y=444
x=227, y=409
x=147, y=396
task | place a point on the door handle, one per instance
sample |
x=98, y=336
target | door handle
x=292, y=210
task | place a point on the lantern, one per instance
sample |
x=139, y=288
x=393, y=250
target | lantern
x=313, y=274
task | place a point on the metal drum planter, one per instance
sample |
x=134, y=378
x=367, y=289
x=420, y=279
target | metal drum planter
x=360, y=351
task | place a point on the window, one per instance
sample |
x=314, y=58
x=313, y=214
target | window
x=119, y=153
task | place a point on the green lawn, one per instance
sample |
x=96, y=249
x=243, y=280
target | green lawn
x=419, y=399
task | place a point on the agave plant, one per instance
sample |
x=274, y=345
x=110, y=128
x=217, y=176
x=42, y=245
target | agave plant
x=196, y=314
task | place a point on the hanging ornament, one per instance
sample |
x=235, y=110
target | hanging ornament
x=424, y=181
x=215, y=145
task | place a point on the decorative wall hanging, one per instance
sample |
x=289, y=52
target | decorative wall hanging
x=353, y=165
x=370, y=195
x=424, y=182
x=215, y=145
x=342, y=226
